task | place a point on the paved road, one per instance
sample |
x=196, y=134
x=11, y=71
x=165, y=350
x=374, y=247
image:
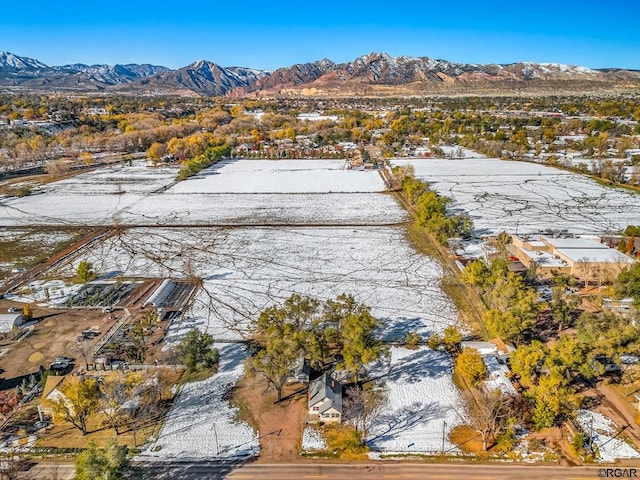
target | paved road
x=390, y=471
x=49, y=471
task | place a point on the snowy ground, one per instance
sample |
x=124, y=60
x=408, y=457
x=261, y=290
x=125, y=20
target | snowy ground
x=115, y=179
x=312, y=439
x=282, y=192
x=603, y=428
x=201, y=422
x=246, y=270
x=526, y=197
x=423, y=403
x=51, y=292
x=281, y=176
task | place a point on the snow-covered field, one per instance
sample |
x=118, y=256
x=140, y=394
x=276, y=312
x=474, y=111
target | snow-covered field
x=603, y=428
x=115, y=179
x=282, y=192
x=281, y=176
x=506, y=195
x=423, y=403
x=247, y=269
x=201, y=422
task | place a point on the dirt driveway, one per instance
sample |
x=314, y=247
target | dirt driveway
x=279, y=425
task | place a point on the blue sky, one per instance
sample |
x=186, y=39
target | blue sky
x=268, y=35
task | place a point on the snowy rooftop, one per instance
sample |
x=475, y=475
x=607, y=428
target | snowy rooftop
x=536, y=243
x=498, y=375
x=579, y=243
x=607, y=255
x=544, y=259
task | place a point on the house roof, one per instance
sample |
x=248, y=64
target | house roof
x=483, y=348
x=498, y=375
x=325, y=388
x=301, y=367
x=53, y=382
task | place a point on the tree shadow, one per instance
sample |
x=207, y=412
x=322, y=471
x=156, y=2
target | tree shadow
x=188, y=470
x=418, y=366
x=394, y=329
x=389, y=425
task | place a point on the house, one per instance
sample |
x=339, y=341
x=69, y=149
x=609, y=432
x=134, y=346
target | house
x=51, y=394
x=325, y=399
x=9, y=321
x=300, y=371
x=494, y=354
x=584, y=258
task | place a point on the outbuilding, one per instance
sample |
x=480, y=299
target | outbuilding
x=9, y=321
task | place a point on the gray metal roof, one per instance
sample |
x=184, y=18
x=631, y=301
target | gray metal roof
x=323, y=388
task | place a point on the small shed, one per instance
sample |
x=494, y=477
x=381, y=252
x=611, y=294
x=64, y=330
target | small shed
x=9, y=321
x=300, y=372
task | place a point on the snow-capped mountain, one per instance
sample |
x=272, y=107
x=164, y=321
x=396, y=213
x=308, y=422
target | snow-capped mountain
x=9, y=61
x=113, y=74
x=420, y=74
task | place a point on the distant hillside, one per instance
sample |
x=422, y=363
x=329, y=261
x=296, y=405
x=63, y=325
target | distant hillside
x=371, y=74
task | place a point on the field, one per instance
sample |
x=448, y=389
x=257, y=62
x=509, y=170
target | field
x=25, y=247
x=247, y=269
x=423, y=404
x=284, y=192
x=314, y=228
x=527, y=198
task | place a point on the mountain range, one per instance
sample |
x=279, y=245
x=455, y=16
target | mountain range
x=371, y=74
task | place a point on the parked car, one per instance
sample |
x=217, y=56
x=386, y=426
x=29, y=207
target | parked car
x=59, y=366
x=64, y=359
x=14, y=309
x=89, y=334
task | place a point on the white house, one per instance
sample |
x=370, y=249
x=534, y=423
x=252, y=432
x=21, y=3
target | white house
x=325, y=399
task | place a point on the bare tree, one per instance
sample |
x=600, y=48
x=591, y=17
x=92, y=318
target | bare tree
x=586, y=267
x=363, y=406
x=85, y=350
x=490, y=413
x=56, y=168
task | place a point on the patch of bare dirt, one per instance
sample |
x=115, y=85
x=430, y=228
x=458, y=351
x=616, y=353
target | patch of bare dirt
x=279, y=424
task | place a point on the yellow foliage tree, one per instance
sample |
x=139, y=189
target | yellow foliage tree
x=79, y=400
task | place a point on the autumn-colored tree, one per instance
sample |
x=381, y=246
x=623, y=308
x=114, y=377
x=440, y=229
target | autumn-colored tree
x=471, y=367
x=86, y=158
x=156, y=151
x=79, y=400
x=117, y=393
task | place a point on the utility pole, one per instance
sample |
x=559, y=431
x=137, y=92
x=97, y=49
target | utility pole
x=215, y=434
x=444, y=429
